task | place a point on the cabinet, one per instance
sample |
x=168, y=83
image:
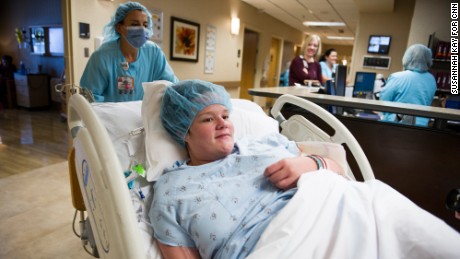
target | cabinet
x=32, y=90
x=441, y=63
x=442, y=73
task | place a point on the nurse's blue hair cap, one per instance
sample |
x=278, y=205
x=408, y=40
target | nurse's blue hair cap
x=417, y=58
x=182, y=101
x=110, y=33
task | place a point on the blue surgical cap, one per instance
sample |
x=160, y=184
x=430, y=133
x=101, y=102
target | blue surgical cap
x=184, y=100
x=417, y=58
x=110, y=33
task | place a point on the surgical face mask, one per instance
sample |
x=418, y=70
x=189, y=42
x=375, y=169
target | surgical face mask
x=136, y=36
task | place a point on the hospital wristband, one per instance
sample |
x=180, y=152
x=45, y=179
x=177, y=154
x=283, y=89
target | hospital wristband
x=319, y=160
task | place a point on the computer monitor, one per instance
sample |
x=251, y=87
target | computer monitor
x=337, y=85
x=379, y=44
x=340, y=80
x=364, y=85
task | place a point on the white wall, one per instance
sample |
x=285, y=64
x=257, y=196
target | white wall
x=430, y=16
x=410, y=22
x=396, y=23
x=96, y=14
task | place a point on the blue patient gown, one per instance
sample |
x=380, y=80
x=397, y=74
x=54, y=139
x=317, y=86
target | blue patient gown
x=409, y=87
x=223, y=207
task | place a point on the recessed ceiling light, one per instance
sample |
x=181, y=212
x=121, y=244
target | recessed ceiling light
x=311, y=23
x=340, y=38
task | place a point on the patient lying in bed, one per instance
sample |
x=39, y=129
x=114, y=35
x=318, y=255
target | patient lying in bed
x=251, y=197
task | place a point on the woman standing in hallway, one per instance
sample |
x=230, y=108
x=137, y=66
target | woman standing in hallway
x=328, y=64
x=116, y=70
x=305, y=68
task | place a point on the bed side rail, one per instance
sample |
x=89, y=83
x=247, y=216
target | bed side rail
x=311, y=132
x=103, y=185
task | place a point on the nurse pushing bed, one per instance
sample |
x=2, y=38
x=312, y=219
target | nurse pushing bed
x=116, y=70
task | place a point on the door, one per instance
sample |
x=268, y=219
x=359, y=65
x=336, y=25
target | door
x=248, y=66
x=273, y=68
x=286, y=58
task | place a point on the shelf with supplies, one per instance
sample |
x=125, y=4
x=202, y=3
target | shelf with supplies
x=441, y=72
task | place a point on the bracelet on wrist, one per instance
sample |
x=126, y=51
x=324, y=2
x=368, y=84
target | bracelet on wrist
x=320, y=162
x=323, y=160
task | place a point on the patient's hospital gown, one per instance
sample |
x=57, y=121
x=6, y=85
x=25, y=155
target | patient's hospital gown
x=223, y=207
x=227, y=209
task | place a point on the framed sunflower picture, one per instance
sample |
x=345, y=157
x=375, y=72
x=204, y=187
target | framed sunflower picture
x=185, y=40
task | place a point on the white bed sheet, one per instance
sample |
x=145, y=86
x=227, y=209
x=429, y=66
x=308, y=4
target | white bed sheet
x=326, y=220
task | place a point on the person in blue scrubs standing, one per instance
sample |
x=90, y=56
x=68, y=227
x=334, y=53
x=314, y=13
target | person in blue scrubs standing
x=328, y=64
x=415, y=85
x=116, y=70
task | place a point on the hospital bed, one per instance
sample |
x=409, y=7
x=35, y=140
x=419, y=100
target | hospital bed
x=108, y=137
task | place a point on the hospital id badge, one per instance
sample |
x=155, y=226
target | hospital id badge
x=125, y=85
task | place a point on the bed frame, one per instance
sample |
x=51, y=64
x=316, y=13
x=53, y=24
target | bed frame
x=298, y=128
x=112, y=221
x=111, y=227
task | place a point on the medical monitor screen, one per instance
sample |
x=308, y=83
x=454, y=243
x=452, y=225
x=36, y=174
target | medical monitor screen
x=379, y=44
x=364, y=84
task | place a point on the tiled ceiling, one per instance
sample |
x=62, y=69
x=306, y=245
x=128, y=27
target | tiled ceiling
x=295, y=12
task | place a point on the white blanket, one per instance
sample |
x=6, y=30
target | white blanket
x=331, y=217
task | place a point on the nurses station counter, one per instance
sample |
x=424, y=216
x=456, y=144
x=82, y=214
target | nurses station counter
x=423, y=163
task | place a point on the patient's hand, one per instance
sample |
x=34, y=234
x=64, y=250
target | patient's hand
x=174, y=252
x=329, y=151
x=457, y=215
x=285, y=173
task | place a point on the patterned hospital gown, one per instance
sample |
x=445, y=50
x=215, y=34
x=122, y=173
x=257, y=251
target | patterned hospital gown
x=223, y=207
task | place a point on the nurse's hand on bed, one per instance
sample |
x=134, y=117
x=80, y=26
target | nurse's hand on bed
x=285, y=173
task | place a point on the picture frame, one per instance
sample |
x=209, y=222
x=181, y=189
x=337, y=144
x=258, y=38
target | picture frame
x=185, y=40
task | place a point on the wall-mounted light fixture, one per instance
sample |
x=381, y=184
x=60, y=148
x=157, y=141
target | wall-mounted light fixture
x=235, y=26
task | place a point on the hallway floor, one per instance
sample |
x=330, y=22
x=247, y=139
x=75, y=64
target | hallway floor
x=31, y=139
x=36, y=209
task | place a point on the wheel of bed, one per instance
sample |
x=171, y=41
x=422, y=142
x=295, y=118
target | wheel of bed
x=105, y=145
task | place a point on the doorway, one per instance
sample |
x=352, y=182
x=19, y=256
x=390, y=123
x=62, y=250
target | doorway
x=248, y=66
x=274, y=63
x=286, y=58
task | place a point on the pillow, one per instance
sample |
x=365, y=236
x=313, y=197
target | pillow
x=250, y=120
x=121, y=119
x=162, y=151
